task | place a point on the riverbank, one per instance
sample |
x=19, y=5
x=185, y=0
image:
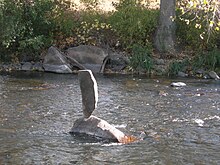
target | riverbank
x=102, y=61
x=125, y=46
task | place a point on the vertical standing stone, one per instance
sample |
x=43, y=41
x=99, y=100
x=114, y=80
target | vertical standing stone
x=89, y=91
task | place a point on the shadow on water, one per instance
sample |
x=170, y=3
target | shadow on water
x=37, y=111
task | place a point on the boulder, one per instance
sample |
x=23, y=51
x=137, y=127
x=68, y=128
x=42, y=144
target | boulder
x=27, y=66
x=115, y=62
x=91, y=57
x=56, y=62
x=17, y=66
x=213, y=75
x=38, y=67
x=98, y=128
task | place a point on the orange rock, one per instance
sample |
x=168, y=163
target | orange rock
x=127, y=139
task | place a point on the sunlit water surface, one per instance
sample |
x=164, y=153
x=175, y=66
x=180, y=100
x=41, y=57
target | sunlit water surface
x=38, y=110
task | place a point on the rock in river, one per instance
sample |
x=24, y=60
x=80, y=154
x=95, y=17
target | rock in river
x=177, y=84
x=89, y=124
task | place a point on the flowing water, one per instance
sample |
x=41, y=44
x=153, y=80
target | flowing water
x=37, y=110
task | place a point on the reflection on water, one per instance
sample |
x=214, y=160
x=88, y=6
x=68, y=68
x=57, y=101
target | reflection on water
x=38, y=110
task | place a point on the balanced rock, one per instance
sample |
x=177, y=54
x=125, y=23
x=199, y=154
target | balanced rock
x=89, y=91
x=90, y=124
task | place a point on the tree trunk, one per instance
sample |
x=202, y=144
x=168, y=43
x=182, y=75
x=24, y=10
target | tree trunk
x=165, y=34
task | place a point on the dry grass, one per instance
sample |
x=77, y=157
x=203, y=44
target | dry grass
x=106, y=5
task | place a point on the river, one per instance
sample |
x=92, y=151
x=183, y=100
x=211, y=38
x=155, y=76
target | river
x=37, y=110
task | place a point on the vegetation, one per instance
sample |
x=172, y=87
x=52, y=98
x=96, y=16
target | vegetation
x=193, y=36
x=203, y=14
x=178, y=66
x=30, y=27
x=209, y=60
x=141, y=59
x=134, y=24
x=27, y=27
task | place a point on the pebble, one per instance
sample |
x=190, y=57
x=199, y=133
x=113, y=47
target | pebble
x=177, y=84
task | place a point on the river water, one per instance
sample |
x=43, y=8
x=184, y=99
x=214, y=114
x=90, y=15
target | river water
x=37, y=110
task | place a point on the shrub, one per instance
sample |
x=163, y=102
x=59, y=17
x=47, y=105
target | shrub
x=141, y=58
x=27, y=27
x=203, y=14
x=210, y=60
x=192, y=36
x=94, y=33
x=134, y=23
x=177, y=66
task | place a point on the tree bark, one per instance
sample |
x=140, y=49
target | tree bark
x=165, y=34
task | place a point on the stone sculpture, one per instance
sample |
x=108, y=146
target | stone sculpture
x=92, y=125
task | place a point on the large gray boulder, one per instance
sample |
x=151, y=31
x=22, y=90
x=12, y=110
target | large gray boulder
x=98, y=128
x=56, y=62
x=91, y=57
